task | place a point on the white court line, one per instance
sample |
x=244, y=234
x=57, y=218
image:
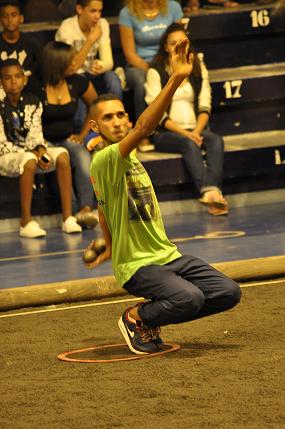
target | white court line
x=119, y=301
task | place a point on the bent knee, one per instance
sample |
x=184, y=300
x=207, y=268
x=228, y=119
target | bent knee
x=30, y=165
x=192, y=300
x=233, y=293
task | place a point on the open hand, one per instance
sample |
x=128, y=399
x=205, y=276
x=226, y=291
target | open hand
x=75, y=138
x=182, y=60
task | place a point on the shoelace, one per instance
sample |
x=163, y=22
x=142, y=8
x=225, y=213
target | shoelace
x=148, y=334
x=155, y=332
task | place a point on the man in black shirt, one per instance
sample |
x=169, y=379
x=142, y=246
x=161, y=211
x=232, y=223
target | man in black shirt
x=17, y=45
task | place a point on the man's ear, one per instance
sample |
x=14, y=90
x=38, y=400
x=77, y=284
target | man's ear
x=22, y=19
x=93, y=125
x=25, y=80
x=78, y=9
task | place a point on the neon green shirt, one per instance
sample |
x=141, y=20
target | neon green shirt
x=126, y=196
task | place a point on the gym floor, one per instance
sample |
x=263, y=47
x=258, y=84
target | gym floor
x=258, y=231
x=227, y=374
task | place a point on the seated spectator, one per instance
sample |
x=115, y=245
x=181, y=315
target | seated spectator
x=24, y=152
x=60, y=95
x=18, y=45
x=89, y=34
x=184, y=128
x=141, y=27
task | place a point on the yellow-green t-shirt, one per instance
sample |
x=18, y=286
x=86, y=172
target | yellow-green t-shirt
x=126, y=196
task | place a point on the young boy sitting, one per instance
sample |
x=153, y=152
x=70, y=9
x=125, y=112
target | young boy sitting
x=89, y=34
x=24, y=152
x=18, y=45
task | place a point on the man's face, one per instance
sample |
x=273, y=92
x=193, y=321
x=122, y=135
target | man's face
x=110, y=120
x=13, y=80
x=90, y=14
x=10, y=18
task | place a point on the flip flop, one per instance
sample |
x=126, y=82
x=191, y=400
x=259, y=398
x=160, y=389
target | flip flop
x=219, y=203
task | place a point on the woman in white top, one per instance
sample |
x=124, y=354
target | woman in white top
x=184, y=127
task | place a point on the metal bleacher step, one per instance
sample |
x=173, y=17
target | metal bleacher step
x=252, y=34
x=248, y=99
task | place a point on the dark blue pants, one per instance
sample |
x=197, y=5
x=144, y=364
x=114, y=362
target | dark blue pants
x=204, y=175
x=183, y=290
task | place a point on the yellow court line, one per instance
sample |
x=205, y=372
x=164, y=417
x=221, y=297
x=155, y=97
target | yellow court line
x=119, y=301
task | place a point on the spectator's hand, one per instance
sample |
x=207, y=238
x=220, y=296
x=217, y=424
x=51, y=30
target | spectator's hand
x=95, y=33
x=196, y=137
x=75, y=138
x=39, y=152
x=44, y=165
x=96, y=67
x=182, y=60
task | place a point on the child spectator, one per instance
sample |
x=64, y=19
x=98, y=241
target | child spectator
x=89, y=34
x=18, y=45
x=24, y=152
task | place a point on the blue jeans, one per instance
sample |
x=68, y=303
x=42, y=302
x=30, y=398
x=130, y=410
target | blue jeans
x=183, y=290
x=135, y=78
x=205, y=175
x=80, y=160
x=106, y=82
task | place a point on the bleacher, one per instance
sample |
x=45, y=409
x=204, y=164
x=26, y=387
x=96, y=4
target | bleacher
x=244, y=52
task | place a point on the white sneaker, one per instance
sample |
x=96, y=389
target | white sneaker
x=70, y=225
x=32, y=230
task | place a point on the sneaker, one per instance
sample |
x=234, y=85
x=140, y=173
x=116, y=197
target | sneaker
x=155, y=334
x=138, y=338
x=70, y=225
x=32, y=230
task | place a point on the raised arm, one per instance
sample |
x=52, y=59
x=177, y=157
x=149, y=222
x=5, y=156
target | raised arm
x=148, y=120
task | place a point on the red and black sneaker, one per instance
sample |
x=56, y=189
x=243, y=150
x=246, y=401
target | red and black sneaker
x=138, y=338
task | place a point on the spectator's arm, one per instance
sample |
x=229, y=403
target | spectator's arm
x=129, y=48
x=64, y=35
x=105, y=48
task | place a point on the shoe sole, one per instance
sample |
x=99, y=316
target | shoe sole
x=127, y=338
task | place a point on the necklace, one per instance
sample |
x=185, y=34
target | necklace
x=151, y=14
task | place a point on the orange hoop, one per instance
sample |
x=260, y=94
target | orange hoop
x=64, y=356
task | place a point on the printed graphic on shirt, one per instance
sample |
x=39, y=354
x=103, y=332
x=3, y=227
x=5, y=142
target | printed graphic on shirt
x=140, y=199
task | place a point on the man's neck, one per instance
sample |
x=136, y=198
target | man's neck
x=11, y=36
x=83, y=27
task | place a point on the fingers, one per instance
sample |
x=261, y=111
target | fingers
x=182, y=50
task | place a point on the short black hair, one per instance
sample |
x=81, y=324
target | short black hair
x=15, y=3
x=9, y=63
x=85, y=3
x=108, y=96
